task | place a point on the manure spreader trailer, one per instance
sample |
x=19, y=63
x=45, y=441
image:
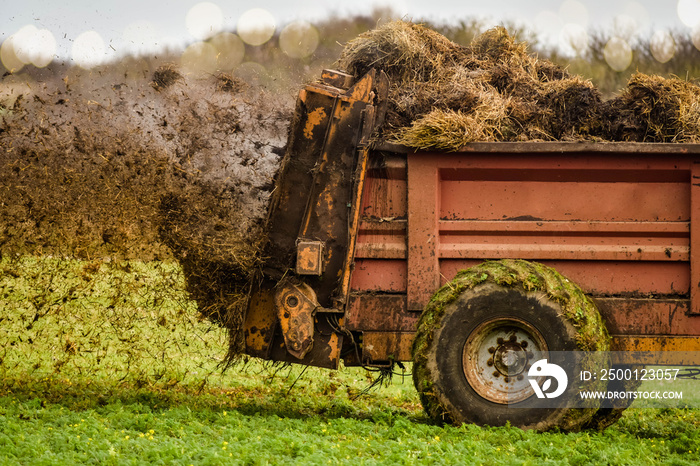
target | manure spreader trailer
x=482, y=266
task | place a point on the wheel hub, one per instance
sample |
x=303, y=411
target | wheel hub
x=497, y=356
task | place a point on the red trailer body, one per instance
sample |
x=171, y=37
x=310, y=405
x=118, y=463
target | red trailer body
x=618, y=219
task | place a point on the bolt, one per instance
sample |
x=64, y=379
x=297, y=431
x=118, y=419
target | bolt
x=292, y=301
x=513, y=338
x=490, y=362
x=499, y=340
x=520, y=377
x=496, y=374
x=506, y=379
x=530, y=354
x=523, y=344
x=492, y=350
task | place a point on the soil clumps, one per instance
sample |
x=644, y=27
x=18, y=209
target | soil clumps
x=144, y=166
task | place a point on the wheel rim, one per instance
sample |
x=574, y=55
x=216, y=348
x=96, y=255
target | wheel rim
x=497, y=356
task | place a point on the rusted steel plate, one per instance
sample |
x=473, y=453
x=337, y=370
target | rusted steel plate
x=311, y=118
x=600, y=278
x=677, y=350
x=387, y=276
x=325, y=351
x=368, y=312
x=562, y=250
x=261, y=322
x=423, y=206
x=386, y=346
x=561, y=201
x=385, y=189
x=296, y=305
x=634, y=316
x=381, y=239
x=695, y=239
x=309, y=258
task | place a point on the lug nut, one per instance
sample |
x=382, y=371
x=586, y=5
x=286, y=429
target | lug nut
x=496, y=374
x=490, y=362
x=523, y=344
x=492, y=350
x=499, y=340
x=513, y=339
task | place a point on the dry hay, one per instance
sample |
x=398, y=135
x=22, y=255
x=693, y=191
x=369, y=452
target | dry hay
x=121, y=165
x=444, y=95
x=655, y=109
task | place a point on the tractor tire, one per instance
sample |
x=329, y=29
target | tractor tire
x=481, y=333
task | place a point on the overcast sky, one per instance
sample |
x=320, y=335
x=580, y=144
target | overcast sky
x=124, y=25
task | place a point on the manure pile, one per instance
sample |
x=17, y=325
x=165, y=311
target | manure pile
x=444, y=95
x=106, y=164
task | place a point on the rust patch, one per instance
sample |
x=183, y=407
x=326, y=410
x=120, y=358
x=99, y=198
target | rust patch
x=314, y=119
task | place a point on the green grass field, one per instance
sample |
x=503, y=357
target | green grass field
x=108, y=363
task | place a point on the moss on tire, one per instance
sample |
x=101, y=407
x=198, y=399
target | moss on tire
x=535, y=286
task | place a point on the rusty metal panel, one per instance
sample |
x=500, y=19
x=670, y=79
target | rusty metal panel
x=311, y=120
x=367, y=312
x=331, y=194
x=564, y=201
x=382, y=275
x=678, y=350
x=379, y=347
x=337, y=79
x=325, y=351
x=607, y=278
x=638, y=316
x=382, y=239
x=423, y=207
x=309, y=257
x=695, y=238
x=385, y=191
x=261, y=322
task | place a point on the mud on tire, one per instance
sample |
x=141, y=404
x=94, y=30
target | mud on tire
x=504, y=307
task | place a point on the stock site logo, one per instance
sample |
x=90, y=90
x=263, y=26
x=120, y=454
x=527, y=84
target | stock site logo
x=552, y=371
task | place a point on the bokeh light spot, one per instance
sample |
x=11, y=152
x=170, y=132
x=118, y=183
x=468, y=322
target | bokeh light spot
x=299, y=39
x=230, y=50
x=618, y=54
x=199, y=59
x=256, y=26
x=31, y=46
x=695, y=37
x=24, y=43
x=45, y=48
x=204, y=20
x=689, y=12
x=662, y=46
x=8, y=57
x=88, y=49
